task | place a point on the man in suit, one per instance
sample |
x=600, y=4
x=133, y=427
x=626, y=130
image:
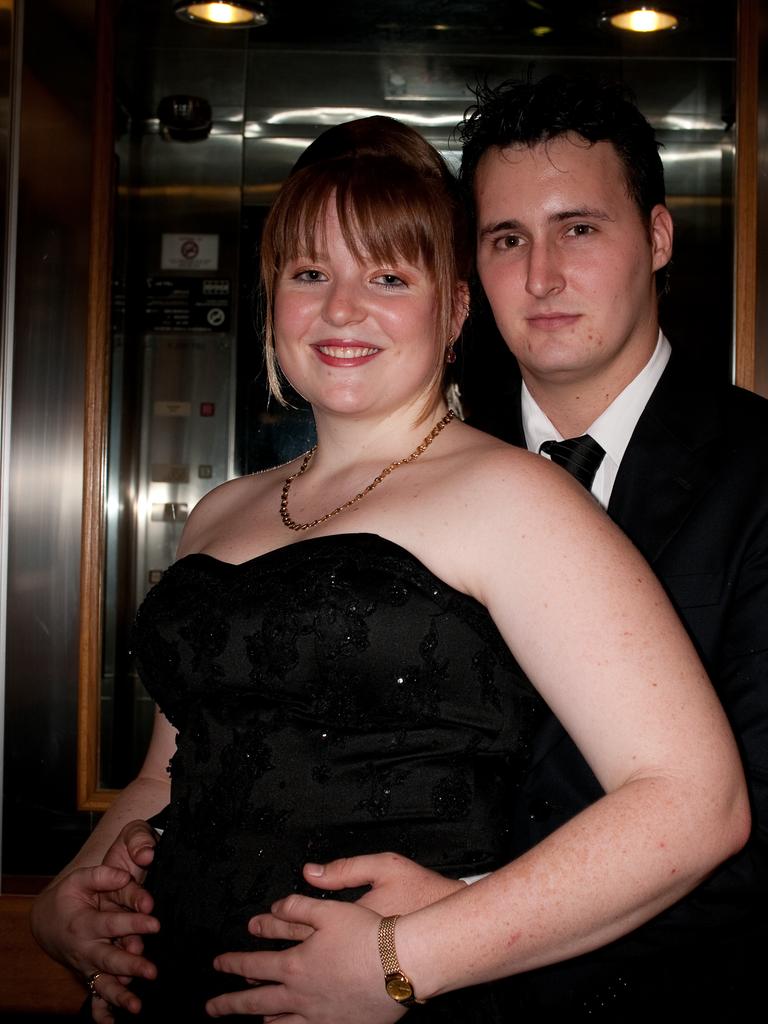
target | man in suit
x=572, y=233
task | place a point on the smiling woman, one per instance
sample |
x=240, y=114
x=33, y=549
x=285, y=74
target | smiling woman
x=338, y=313
x=391, y=212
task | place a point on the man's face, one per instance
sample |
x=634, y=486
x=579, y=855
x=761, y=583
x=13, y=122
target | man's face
x=567, y=261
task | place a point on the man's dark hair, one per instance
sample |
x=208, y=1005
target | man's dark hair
x=525, y=112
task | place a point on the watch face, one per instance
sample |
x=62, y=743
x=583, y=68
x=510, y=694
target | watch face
x=399, y=988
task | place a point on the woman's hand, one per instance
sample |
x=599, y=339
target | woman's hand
x=296, y=983
x=398, y=886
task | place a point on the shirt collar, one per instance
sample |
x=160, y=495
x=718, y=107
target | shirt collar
x=614, y=427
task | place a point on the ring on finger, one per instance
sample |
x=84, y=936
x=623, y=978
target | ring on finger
x=91, y=982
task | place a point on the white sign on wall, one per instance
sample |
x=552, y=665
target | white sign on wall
x=190, y=252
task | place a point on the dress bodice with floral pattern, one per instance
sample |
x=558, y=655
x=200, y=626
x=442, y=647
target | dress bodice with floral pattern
x=332, y=697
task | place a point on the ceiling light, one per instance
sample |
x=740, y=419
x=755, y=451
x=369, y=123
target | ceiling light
x=223, y=13
x=643, y=19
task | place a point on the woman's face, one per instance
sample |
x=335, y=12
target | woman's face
x=352, y=337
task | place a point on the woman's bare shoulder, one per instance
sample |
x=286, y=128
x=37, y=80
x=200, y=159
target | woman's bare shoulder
x=516, y=506
x=491, y=504
x=502, y=474
x=226, y=505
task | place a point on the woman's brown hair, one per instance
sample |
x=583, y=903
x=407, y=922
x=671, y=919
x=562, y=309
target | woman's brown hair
x=395, y=199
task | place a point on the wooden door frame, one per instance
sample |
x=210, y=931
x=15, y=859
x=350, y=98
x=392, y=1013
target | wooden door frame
x=90, y=796
x=746, y=197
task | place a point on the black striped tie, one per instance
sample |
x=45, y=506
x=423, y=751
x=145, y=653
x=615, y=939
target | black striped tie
x=581, y=456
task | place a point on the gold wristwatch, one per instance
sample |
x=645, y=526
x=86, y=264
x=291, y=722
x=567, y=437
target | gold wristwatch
x=397, y=984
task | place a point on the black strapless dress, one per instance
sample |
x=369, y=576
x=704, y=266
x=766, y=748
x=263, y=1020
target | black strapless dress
x=332, y=698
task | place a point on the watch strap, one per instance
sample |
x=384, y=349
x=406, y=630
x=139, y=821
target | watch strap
x=387, y=949
x=397, y=984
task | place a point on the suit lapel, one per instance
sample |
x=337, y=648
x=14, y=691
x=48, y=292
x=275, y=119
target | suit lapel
x=666, y=469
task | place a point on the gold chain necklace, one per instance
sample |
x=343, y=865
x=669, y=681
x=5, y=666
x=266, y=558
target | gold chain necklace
x=292, y=525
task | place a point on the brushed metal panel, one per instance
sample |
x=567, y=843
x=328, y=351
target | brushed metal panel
x=46, y=441
x=165, y=371
x=9, y=71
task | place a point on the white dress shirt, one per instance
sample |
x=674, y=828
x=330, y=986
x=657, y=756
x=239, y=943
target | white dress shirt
x=613, y=427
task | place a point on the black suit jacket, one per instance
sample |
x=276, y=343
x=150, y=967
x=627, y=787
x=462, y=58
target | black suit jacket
x=692, y=494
